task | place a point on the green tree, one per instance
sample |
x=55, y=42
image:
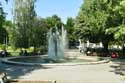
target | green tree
x=119, y=22
x=3, y=32
x=9, y=26
x=69, y=26
x=40, y=33
x=24, y=14
x=54, y=21
x=95, y=18
x=3, y=35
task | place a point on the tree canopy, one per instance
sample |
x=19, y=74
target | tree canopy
x=24, y=14
x=69, y=26
x=97, y=19
x=54, y=21
x=3, y=32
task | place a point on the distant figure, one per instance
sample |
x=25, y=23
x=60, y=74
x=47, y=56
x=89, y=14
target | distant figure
x=81, y=49
x=25, y=53
x=88, y=53
x=21, y=53
x=4, y=53
x=39, y=52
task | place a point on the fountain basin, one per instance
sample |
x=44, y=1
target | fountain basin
x=45, y=61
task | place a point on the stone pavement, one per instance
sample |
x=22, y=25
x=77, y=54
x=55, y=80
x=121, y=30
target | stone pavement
x=100, y=73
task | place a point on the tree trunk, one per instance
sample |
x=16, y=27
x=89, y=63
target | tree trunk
x=123, y=48
x=105, y=50
x=105, y=45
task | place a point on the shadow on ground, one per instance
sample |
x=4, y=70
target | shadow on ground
x=16, y=71
x=116, y=66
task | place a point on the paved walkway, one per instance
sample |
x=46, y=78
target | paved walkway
x=100, y=73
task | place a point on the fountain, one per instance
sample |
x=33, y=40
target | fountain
x=56, y=41
x=56, y=53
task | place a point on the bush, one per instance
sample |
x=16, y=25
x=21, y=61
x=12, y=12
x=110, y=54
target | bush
x=30, y=49
x=3, y=46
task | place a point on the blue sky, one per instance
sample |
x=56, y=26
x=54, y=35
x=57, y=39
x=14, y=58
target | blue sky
x=45, y=8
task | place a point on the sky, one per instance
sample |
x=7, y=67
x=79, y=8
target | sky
x=45, y=8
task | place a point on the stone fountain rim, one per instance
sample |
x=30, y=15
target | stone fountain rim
x=6, y=61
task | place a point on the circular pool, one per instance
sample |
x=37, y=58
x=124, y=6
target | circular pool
x=44, y=61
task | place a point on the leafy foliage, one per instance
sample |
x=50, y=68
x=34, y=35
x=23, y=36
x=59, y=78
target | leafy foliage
x=99, y=20
x=40, y=31
x=54, y=21
x=69, y=26
x=3, y=32
x=24, y=14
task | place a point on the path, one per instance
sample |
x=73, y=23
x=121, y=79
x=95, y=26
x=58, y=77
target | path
x=100, y=73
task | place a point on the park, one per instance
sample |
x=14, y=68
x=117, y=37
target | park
x=41, y=42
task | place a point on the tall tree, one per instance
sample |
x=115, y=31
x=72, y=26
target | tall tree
x=119, y=31
x=3, y=32
x=40, y=33
x=95, y=18
x=24, y=14
x=9, y=28
x=69, y=26
x=54, y=21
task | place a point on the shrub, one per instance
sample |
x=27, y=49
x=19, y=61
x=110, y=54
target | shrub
x=3, y=46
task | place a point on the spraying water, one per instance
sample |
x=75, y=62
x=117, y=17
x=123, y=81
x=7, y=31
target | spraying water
x=57, y=44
